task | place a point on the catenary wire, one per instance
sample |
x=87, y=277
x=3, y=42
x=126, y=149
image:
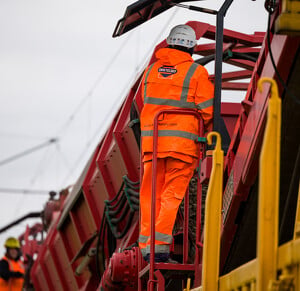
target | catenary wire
x=27, y=152
x=94, y=86
x=23, y=191
x=125, y=89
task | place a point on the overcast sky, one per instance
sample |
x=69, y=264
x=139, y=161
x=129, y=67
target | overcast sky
x=63, y=76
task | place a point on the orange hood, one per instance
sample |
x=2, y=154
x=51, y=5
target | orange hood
x=172, y=57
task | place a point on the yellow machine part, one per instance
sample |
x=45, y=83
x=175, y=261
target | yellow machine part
x=268, y=201
x=288, y=22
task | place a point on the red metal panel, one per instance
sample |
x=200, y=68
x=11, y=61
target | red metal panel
x=230, y=113
x=84, y=222
x=100, y=161
x=97, y=190
x=50, y=272
x=92, y=198
x=57, y=265
x=115, y=166
x=40, y=280
x=62, y=262
x=70, y=237
x=126, y=140
x=138, y=100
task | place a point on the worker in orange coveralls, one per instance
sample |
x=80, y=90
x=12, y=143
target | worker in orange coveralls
x=11, y=267
x=174, y=81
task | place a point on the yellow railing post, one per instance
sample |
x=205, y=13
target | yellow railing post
x=212, y=227
x=268, y=203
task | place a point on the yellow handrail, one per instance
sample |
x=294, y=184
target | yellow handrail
x=268, y=203
x=212, y=227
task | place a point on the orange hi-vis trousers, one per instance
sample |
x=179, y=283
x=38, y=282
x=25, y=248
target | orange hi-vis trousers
x=173, y=177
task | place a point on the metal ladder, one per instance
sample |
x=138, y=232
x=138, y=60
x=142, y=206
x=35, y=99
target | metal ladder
x=155, y=270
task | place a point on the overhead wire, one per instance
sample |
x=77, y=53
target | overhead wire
x=143, y=63
x=23, y=191
x=27, y=152
x=22, y=136
x=89, y=94
x=91, y=90
x=86, y=98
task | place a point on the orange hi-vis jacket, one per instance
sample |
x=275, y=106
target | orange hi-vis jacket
x=13, y=284
x=174, y=81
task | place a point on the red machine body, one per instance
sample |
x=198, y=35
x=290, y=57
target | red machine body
x=101, y=210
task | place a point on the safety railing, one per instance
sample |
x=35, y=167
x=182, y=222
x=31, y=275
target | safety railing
x=213, y=210
x=268, y=199
x=187, y=267
x=261, y=274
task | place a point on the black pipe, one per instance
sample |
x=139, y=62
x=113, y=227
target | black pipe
x=131, y=184
x=29, y=215
x=115, y=209
x=133, y=193
x=120, y=218
x=117, y=195
x=119, y=235
x=218, y=64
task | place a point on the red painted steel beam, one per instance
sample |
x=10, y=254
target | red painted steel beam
x=236, y=75
x=248, y=65
x=101, y=160
x=120, y=128
x=246, y=50
x=209, y=31
x=209, y=49
x=235, y=86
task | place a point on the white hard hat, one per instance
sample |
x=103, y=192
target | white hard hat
x=182, y=35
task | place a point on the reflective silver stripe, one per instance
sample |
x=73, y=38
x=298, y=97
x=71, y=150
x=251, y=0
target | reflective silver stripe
x=174, y=133
x=205, y=104
x=169, y=102
x=165, y=249
x=186, y=82
x=145, y=82
x=163, y=237
x=143, y=238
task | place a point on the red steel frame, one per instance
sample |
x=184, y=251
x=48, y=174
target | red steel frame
x=117, y=155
